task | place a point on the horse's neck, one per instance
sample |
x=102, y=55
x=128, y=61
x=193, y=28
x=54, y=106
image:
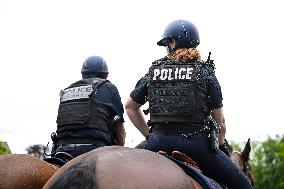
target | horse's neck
x=236, y=158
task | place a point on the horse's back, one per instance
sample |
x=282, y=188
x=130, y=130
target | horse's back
x=120, y=167
x=23, y=171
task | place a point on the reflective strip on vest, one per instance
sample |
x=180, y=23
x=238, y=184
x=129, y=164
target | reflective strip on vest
x=76, y=93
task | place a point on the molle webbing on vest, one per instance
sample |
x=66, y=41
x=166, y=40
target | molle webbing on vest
x=73, y=113
x=174, y=94
x=83, y=113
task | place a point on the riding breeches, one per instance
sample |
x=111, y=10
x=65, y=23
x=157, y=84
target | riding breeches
x=214, y=165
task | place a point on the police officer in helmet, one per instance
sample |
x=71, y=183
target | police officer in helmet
x=90, y=113
x=185, y=102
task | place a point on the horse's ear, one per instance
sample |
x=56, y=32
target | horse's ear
x=246, y=151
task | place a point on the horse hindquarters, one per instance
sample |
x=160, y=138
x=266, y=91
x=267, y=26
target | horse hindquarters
x=18, y=171
x=123, y=168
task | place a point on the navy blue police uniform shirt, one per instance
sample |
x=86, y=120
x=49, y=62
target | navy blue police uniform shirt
x=108, y=95
x=207, y=81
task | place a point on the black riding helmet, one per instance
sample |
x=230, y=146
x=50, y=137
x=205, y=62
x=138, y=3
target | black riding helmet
x=94, y=66
x=184, y=32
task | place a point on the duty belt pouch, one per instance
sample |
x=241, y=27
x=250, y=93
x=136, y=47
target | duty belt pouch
x=213, y=135
x=75, y=113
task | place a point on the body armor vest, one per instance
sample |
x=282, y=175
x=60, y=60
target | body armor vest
x=79, y=109
x=174, y=94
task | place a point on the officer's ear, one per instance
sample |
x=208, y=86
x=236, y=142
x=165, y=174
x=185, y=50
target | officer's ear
x=171, y=45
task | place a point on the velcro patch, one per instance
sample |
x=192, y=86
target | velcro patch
x=169, y=73
x=76, y=93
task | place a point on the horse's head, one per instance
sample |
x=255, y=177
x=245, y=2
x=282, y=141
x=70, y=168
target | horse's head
x=241, y=159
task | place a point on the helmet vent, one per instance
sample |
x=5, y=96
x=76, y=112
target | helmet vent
x=184, y=30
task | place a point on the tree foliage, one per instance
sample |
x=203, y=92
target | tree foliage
x=268, y=163
x=3, y=149
x=37, y=150
x=235, y=146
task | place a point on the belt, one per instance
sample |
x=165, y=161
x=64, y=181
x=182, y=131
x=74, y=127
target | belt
x=74, y=145
x=81, y=141
x=166, y=128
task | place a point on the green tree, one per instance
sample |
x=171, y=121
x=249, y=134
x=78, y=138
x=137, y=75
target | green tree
x=268, y=163
x=235, y=146
x=3, y=149
x=281, y=163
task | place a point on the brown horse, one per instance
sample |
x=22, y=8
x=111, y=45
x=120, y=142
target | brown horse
x=19, y=171
x=242, y=161
x=124, y=168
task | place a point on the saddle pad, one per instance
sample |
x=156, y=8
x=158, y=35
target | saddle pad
x=55, y=161
x=206, y=182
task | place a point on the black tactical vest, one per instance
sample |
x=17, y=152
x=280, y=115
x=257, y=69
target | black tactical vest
x=79, y=109
x=174, y=95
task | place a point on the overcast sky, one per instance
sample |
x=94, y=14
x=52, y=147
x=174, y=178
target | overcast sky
x=44, y=43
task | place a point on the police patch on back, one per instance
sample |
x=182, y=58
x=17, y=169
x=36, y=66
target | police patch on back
x=172, y=72
x=76, y=93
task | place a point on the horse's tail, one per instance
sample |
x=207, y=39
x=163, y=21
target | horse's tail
x=77, y=176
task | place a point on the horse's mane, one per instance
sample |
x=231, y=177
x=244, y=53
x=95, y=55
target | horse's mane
x=69, y=179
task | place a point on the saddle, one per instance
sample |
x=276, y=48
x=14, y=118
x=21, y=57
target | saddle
x=192, y=169
x=59, y=159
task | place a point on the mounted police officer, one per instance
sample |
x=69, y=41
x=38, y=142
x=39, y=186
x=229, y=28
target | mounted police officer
x=185, y=106
x=90, y=113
